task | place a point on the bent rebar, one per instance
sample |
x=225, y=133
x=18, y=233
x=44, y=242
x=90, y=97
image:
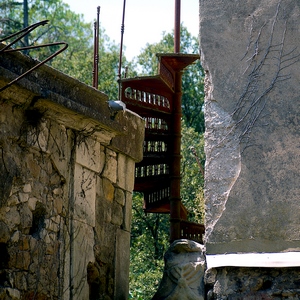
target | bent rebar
x=25, y=31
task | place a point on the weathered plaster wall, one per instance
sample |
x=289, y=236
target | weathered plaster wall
x=250, y=51
x=67, y=175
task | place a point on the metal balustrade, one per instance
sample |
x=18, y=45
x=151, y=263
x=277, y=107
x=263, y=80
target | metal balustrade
x=150, y=98
x=192, y=231
x=157, y=99
x=151, y=170
x=154, y=147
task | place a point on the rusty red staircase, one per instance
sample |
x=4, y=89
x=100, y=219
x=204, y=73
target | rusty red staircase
x=158, y=100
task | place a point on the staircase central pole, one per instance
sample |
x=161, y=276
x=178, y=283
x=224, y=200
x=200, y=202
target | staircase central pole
x=177, y=26
x=175, y=199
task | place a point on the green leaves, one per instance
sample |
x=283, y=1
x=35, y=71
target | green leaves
x=192, y=180
x=149, y=241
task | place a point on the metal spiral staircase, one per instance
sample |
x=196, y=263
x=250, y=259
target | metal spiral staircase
x=158, y=100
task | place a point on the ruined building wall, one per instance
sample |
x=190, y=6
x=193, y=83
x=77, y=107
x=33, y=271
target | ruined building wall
x=67, y=175
x=251, y=54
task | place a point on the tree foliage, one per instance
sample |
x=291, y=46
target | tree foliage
x=149, y=241
x=64, y=25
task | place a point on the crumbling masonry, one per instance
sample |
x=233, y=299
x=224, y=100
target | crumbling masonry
x=67, y=174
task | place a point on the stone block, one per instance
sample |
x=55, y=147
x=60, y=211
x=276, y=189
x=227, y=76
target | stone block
x=25, y=218
x=88, y=154
x=58, y=205
x=122, y=166
x=38, y=137
x=85, y=195
x=103, y=211
x=83, y=253
x=4, y=232
x=23, y=260
x=127, y=210
x=117, y=214
x=102, y=158
x=13, y=200
x=13, y=217
x=108, y=190
x=51, y=225
x=24, y=243
x=15, y=236
x=121, y=285
x=27, y=188
x=12, y=294
x=119, y=196
x=126, y=171
x=60, y=147
x=32, y=165
x=23, y=197
x=106, y=238
x=110, y=167
x=31, y=203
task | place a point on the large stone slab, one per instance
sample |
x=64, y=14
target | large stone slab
x=251, y=55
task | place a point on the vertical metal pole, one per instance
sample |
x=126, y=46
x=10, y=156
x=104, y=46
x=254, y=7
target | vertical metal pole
x=175, y=199
x=177, y=26
x=94, y=63
x=25, y=21
x=96, y=50
x=121, y=48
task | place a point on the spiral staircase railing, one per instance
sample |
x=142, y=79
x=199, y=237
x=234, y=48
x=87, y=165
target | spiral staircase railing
x=155, y=98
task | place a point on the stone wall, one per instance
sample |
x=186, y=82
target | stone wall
x=253, y=283
x=67, y=175
x=250, y=52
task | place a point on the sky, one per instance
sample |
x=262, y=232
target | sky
x=145, y=20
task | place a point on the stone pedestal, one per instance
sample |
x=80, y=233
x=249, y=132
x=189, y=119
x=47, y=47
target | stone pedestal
x=183, y=277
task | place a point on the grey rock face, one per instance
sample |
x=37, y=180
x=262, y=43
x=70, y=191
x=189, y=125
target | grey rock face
x=183, y=273
x=251, y=56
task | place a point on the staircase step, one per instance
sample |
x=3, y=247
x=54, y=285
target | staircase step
x=135, y=88
x=147, y=184
x=145, y=108
x=162, y=207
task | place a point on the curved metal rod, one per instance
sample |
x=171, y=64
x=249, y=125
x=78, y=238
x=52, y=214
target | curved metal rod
x=25, y=30
x=39, y=64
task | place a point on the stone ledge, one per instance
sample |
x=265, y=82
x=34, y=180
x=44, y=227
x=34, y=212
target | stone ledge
x=272, y=260
x=79, y=103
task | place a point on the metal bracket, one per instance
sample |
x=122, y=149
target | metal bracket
x=24, y=32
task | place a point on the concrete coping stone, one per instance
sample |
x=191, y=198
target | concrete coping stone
x=271, y=260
